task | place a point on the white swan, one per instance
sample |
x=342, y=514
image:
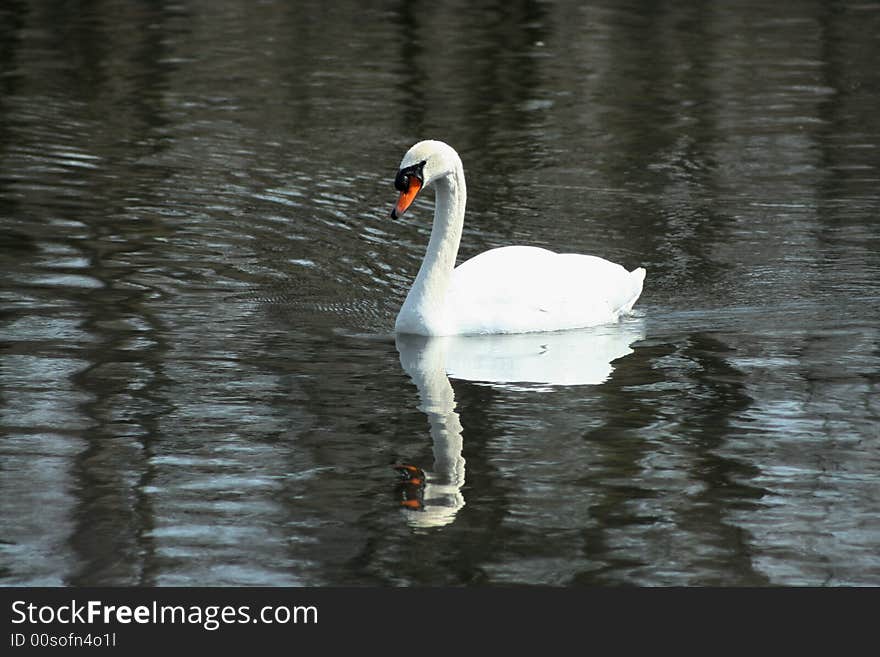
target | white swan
x=512, y=289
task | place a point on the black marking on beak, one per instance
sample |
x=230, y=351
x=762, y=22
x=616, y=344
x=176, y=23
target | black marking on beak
x=401, y=182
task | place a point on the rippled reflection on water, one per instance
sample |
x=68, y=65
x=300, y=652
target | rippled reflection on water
x=198, y=281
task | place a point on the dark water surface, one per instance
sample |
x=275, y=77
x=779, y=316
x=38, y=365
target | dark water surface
x=198, y=281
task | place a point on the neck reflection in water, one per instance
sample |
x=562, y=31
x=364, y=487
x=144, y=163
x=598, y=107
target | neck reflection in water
x=529, y=361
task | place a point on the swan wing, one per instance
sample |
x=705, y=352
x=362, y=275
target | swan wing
x=517, y=289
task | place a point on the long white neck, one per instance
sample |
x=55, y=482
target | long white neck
x=424, y=311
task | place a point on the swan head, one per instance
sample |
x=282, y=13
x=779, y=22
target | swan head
x=424, y=163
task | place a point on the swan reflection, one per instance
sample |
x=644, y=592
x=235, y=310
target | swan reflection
x=529, y=361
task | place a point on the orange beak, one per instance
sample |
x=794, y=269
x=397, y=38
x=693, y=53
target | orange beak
x=407, y=197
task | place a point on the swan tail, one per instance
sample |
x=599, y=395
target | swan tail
x=637, y=276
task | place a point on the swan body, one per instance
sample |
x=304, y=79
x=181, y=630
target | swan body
x=511, y=289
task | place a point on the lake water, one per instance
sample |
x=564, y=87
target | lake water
x=199, y=382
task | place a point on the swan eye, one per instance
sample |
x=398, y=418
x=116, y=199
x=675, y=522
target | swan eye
x=403, y=180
